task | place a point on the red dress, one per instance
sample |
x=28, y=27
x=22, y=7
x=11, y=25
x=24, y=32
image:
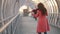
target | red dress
x=42, y=25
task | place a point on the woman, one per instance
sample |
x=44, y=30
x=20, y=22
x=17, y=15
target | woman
x=41, y=14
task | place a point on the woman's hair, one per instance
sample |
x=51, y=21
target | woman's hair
x=42, y=8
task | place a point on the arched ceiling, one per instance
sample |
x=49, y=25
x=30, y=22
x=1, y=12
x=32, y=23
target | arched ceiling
x=51, y=5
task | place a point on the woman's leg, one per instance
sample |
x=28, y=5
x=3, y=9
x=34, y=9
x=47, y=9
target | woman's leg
x=45, y=32
x=39, y=33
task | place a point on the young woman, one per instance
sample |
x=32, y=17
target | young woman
x=41, y=14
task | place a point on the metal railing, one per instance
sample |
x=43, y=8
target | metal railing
x=10, y=27
x=54, y=19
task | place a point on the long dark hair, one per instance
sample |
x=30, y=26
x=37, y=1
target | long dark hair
x=42, y=8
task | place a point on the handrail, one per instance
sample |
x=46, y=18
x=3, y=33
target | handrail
x=7, y=18
x=6, y=25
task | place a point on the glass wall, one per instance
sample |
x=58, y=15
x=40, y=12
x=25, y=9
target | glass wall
x=0, y=13
x=52, y=8
x=8, y=9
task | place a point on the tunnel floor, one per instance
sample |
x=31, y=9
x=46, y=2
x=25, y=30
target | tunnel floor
x=27, y=25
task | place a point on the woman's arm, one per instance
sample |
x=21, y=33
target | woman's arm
x=35, y=15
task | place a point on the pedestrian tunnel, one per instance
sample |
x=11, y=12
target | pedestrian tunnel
x=10, y=17
x=52, y=7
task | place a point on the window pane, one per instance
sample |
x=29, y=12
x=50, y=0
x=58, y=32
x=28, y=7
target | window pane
x=7, y=10
x=0, y=9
